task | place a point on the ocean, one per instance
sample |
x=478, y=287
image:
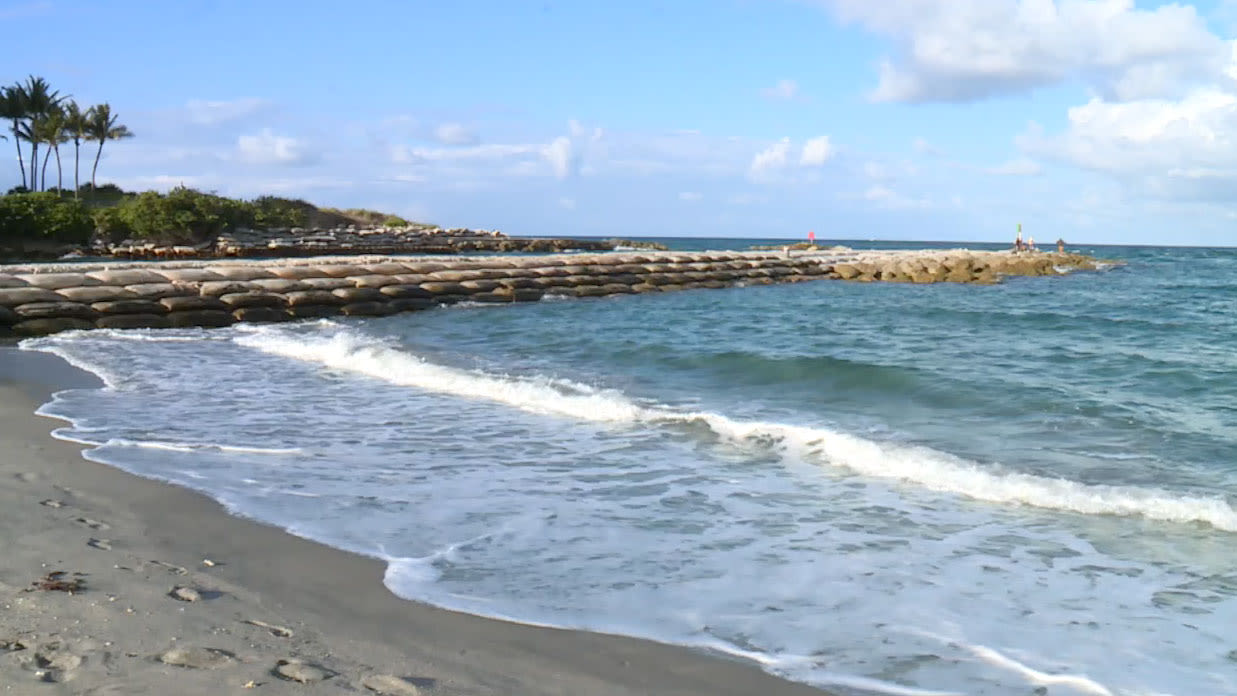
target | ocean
x=910, y=489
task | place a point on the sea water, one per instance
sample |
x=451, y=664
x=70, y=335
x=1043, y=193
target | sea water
x=911, y=489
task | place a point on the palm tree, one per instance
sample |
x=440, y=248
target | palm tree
x=13, y=109
x=51, y=130
x=102, y=126
x=39, y=101
x=75, y=126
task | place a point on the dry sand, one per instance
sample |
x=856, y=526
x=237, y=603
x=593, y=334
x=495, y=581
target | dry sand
x=268, y=609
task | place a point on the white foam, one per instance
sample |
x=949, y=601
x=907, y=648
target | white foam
x=931, y=469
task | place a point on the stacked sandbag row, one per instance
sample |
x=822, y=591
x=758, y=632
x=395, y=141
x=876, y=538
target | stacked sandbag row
x=220, y=295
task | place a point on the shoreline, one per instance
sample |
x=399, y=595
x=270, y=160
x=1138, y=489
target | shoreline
x=136, y=539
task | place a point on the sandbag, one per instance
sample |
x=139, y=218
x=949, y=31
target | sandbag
x=53, y=310
x=132, y=276
x=312, y=311
x=187, y=275
x=280, y=285
x=412, y=304
x=8, y=317
x=326, y=283
x=207, y=318
x=350, y=295
x=236, y=300
x=297, y=272
x=261, y=314
x=193, y=304
x=402, y=292
x=57, y=281
x=129, y=307
x=242, y=272
x=157, y=291
x=97, y=293
x=42, y=327
x=215, y=288
x=367, y=309
x=373, y=281
x=133, y=321
x=12, y=297
x=302, y=298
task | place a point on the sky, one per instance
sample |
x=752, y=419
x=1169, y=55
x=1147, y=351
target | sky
x=1098, y=121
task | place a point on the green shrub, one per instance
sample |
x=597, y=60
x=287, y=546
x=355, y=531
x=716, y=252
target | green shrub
x=273, y=211
x=44, y=216
x=111, y=223
x=183, y=214
x=394, y=221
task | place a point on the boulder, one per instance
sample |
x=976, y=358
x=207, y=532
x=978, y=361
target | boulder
x=96, y=293
x=42, y=327
x=52, y=310
x=208, y=318
x=133, y=321
x=12, y=297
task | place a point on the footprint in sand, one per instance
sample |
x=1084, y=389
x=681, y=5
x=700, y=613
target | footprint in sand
x=52, y=503
x=26, y=476
x=390, y=685
x=170, y=567
x=303, y=672
x=101, y=544
x=93, y=524
x=197, y=658
x=53, y=662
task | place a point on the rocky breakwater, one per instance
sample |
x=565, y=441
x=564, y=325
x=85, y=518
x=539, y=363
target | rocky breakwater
x=43, y=299
x=297, y=241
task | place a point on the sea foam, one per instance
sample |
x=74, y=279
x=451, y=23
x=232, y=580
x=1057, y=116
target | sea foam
x=346, y=349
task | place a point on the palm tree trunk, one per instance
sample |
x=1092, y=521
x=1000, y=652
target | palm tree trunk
x=21, y=161
x=43, y=174
x=77, y=150
x=34, y=165
x=94, y=169
x=59, y=173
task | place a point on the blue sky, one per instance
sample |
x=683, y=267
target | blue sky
x=1092, y=120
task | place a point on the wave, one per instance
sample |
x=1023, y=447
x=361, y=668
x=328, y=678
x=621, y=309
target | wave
x=352, y=351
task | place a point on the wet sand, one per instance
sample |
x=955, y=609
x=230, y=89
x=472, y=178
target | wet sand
x=268, y=613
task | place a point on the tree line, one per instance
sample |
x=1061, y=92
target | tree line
x=41, y=116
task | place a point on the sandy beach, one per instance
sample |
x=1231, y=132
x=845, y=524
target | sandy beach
x=267, y=612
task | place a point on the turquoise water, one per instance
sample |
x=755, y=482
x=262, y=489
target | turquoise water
x=905, y=488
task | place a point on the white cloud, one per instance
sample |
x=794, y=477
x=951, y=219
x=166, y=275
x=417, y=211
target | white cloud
x=1016, y=167
x=213, y=113
x=268, y=148
x=770, y=159
x=567, y=203
x=562, y=158
x=784, y=89
x=924, y=147
x=1175, y=149
x=959, y=50
x=816, y=152
x=690, y=196
x=884, y=197
x=454, y=134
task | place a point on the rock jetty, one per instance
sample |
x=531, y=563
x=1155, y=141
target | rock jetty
x=47, y=298
x=298, y=241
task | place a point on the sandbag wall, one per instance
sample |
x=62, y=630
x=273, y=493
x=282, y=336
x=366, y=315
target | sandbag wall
x=217, y=294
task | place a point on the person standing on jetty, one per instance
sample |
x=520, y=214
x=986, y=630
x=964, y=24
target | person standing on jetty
x=1060, y=245
x=1018, y=245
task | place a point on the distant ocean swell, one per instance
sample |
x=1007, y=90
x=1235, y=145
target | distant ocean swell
x=342, y=348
